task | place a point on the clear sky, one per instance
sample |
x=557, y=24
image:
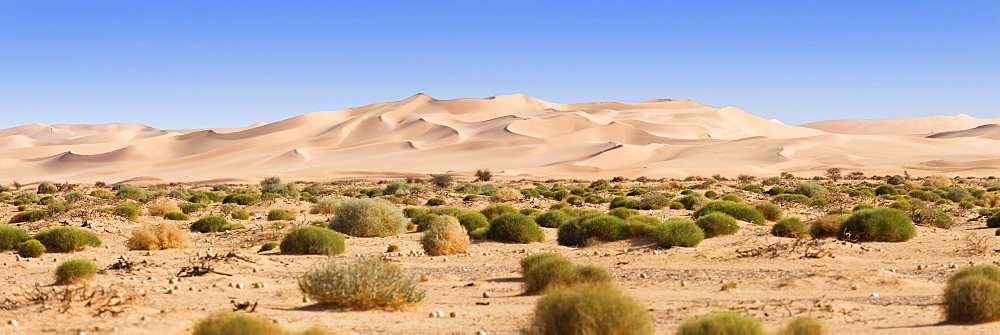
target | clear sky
x=192, y=64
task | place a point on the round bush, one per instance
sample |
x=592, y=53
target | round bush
x=241, y=199
x=176, y=216
x=623, y=213
x=47, y=188
x=547, y=270
x=368, y=218
x=445, y=236
x=214, y=224
x=473, y=220
x=369, y=282
x=278, y=214
x=693, y=201
x=992, y=222
x=717, y=224
x=240, y=214
x=789, y=227
x=67, y=239
x=677, y=232
x=479, y=233
x=515, y=228
x=127, y=210
x=736, y=210
x=223, y=323
x=11, y=236
x=31, y=248
x=492, y=211
x=133, y=192
x=75, y=270
x=589, y=230
x=972, y=299
x=312, y=240
x=436, y=202
x=590, y=309
x=554, y=218
x=721, y=323
x=877, y=225
x=803, y=325
x=770, y=211
x=29, y=216
x=811, y=190
x=932, y=217
x=989, y=271
x=886, y=189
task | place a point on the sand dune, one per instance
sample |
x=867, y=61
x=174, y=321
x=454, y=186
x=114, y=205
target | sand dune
x=514, y=135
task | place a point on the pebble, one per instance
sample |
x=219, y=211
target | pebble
x=149, y=253
x=892, y=270
x=446, y=259
x=170, y=291
x=433, y=258
x=305, y=299
x=480, y=332
x=874, y=295
x=656, y=252
x=643, y=275
x=173, y=280
x=486, y=294
x=452, y=314
x=440, y=314
x=13, y=323
x=684, y=283
x=854, y=287
x=145, y=318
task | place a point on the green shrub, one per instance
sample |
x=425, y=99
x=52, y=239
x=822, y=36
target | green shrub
x=736, y=210
x=268, y=246
x=157, y=237
x=133, y=192
x=240, y=214
x=472, y=220
x=228, y=323
x=623, y=202
x=479, y=233
x=731, y=197
x=990, y=271
x=200, y=199
x=877, y=225
x=776, y=190
x=515, y=228
x=992, y=222
x=902, y=205
x=176, y=216
x=29, y=216
x=241, y=199
x=73, y=196
x=191, y=207
x=127, y=210
x=972, y=299
x=717, y=224
x=554, y=218
x=589, y=230
x=397, y=188
x=442, y=180
x=278, y=214
x=826, y=226
x=754, y=189
x=75, y=270
x=811, y=190
x=711, y=194
x=803, y=325
x=544, y=271
x=445, y=236
x=789, y=227
x=214, y=224
x=958, y=194
x=367, y=283
x=721, y=323
x=436, y=202
x=932, y=217
x=492, y=211
x=11, y=236
x=67, y=239
x=692, y=202
x=31, y=248
x=47, y=188
x=639, y=225
x=886, y=189
x=859, y=207
x=368, y=218
x=676, y=205
x=590, y=309
x=677, y=232
x=623, y=213
x=312, y=240
x=770, y=211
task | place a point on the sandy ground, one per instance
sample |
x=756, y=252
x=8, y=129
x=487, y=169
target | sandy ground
x=891, y=288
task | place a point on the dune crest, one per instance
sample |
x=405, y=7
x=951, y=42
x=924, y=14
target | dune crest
x=509, y=134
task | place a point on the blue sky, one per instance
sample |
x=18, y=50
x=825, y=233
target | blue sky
x=193, y=64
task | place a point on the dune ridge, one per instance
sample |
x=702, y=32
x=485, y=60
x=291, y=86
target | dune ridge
x=513, y=135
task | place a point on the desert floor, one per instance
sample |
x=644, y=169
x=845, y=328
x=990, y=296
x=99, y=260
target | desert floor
x=892, y=288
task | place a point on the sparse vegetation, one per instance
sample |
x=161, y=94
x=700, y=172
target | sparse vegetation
x=544, y=271
x=445, y=236
x=677, y=232
x=214, y=224
x=67, y=239
x=279, y=214
x=789, y=227
x=721, y=323
x=226, y=323
x=11, y=236
x=515, y=228
x=717, y=224
x=157, y=237
x=735, y=210
x=31, y=248
x=877, y=225
x=367, y=283
x=590, y=309
x=973, y=295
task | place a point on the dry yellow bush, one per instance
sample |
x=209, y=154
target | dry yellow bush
x=445, y=236
x=937, y=181
x=507, y=194
x=325, y=205
x=991, y=199
x=912, y=185
x=156, y=237
x=163, y=207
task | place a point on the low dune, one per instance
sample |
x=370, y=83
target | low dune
x=513, y=135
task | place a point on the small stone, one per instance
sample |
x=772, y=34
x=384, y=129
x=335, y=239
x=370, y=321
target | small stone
x=305, y=299
x=643, y=275
x=684, y=283
x=892, y=270
x=145, y=318
x=12, y=323
x=854, y=287
x=480, y=332
x=656, y=252
x=446, y=259
x=696, y=249
x=433, y=315
x=465, y=269
x=239, y=286
x=232, y=284
x=433, y=258
x=81, y=333
x=486, y=294
x=170, y=291
x=172, y=280
x=874, y=295
x=149, y=253
x=254, y=270
x=440, y=314
x=452, y=314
